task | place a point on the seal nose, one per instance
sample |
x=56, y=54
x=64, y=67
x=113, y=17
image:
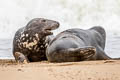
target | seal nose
x=56, y=25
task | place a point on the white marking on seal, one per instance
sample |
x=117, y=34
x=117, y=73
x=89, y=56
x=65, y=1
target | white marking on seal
x=36, y=35
x=22, y=35
x=41, y=46
x=43, y=39
x=23, y=38
x=30, y=38
x=26, y=35
x=29, y=45
x=17, y=40
x=81, y=52
x=46, y=45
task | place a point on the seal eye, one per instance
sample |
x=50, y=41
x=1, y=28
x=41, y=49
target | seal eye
x=43, y=20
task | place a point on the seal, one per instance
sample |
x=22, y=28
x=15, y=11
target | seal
x=30, y=42
x=78, y=45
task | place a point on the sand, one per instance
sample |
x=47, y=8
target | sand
x=85, y=70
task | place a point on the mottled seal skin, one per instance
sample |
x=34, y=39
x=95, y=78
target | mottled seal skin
x=78, y=45
x=30, y=42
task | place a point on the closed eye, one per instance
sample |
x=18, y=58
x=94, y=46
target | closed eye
x=43, y=20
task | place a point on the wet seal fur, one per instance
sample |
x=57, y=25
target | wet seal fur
x=78, y=45
x=30, y=42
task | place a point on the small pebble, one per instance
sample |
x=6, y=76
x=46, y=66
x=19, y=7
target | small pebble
x=19, y=69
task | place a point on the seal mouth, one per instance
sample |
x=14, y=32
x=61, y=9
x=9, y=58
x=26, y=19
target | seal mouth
x=48, y=31
x=50, y=28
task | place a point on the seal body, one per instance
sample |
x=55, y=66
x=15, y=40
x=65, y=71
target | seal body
x=78, y=45
x=30, y=42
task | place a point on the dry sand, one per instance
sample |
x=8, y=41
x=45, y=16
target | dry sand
x=85, y=70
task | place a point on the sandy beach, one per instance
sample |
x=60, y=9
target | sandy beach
x=85, y=70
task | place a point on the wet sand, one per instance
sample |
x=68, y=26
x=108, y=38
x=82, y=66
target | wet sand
x=85, y=70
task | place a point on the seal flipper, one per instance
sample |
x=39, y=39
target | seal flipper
x=101, y=55
x=71, y=54
x=87, y=52
x=20, y=58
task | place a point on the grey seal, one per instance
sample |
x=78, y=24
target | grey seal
x=30, y=42
x=78, y=45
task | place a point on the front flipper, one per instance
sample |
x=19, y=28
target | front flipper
x=86, y=53
x=71, y=54
x=20, y=58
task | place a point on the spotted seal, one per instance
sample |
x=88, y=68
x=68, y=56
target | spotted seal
x=30, y=42
x=78, y=45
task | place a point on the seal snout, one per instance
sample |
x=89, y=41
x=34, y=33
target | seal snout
x=54, y=26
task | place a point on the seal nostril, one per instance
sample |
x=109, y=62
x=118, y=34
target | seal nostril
x=58, y=24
